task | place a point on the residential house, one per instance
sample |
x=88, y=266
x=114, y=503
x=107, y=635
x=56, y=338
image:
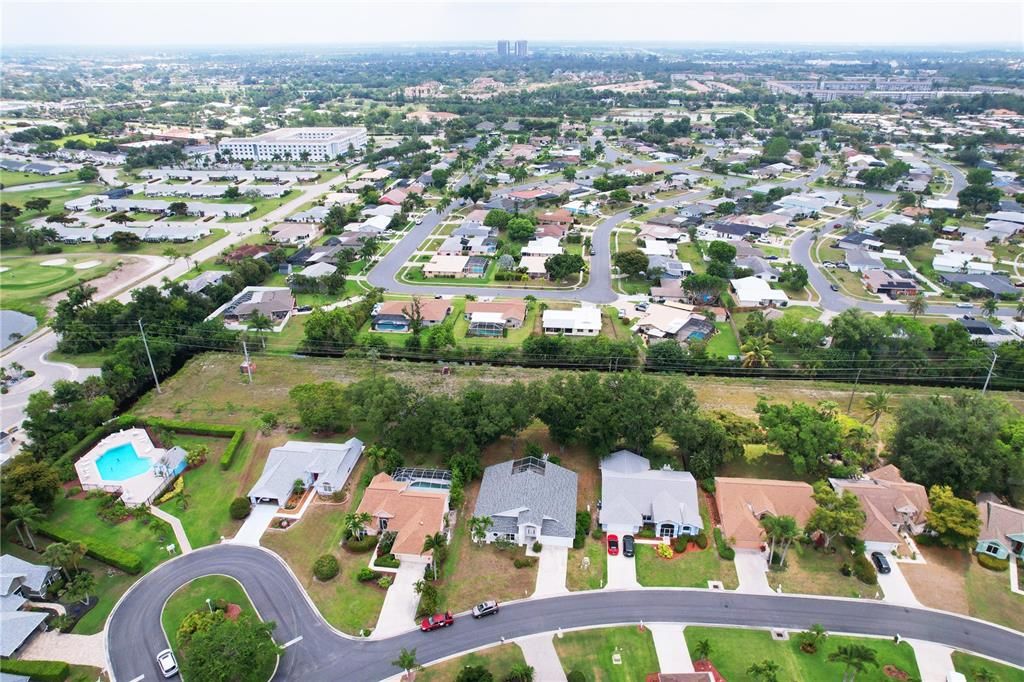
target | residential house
x=294, y=233
x=743, y=502
x=889, y=283
x=957, y=263
x=511, y=314
x=205, y=279
x=20, y=581
x=397, y=316
x=1002, y=531
x=275, y=303
x=583, y=321
x=323, y=466
x=892, y=506
x=751, y=292
x=972, y=248
x=859, y=260
x=544, y=247
x=554, y=223
x=529, y=500
x=453, y=267
x=318, y=270
x=667, y=268
x=986, y=332
x=672, y=321
x=534, y=266
x=730, y=232
x=634, y=496
x=996, y=285
x=409, y=510
x=759, y=268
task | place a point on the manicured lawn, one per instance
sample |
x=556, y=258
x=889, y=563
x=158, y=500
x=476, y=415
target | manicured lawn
x=27, y=283
x=593, y=576
x=497, y=659
x=192, y=597
x=811, y=571
x=733, y=650
x=261, y=206
x=56, y=195
x=723, y=343
x=590, y=652
x=513, y=337
x=693, y=568
x=989, y=596
x=971, y=666
x=689, y=253
x=15, y=178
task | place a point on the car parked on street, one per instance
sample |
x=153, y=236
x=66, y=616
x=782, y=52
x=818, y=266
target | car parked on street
x=167, y=664
x=437, y=621
x=628, y=546
x=834, y=287
x=881, y=563
x=485, y=608
x=613, y=545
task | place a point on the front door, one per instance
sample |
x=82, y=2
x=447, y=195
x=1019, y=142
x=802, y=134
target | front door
x=667, y=530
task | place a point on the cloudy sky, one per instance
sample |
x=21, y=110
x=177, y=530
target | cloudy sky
x=998, y=23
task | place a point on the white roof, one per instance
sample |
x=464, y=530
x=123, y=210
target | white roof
x=544, y=246
x=318, y=270
x=533, y=264
x=496, y=318
x=754, y=289
x=654, y=247
x=446, y=263
x=946, y=204
x=577, y=318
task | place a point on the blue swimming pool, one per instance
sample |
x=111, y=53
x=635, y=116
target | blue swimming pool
x=121, y=462
x=430, y=485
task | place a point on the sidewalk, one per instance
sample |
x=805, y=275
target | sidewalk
x=539, y=652
x=184, y=546
x=933, y=660
x=673, y=655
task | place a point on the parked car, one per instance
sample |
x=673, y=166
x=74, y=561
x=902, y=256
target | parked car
x=303, y=308
x=965, y=306
x=165, y=661
x=628, y=548
x=437, y=621
x=419, y=221
x=642, y=307
x=613, y=545
x=880, y=562
x=834, y=287
x=837, y=225
x=485, y=608
x=593, y=251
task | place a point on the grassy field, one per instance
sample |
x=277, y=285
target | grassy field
x=734, y=650
x=591, y=651
x=593, y=576
x=26, y=283
x=56, y=195
x=145, y=248
x=973, y=666
x=261, y=206
x=497, y=659
x=15, y=178
x=192, y=597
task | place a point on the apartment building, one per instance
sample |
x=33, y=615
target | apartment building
x=313, y=144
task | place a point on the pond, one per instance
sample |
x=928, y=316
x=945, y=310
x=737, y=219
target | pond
x=13, y=322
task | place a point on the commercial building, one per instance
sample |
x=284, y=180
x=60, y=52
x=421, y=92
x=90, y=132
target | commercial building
x=314, y=144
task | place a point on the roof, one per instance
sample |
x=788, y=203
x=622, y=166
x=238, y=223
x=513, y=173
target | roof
x=319, y=270
x=999, y=521
x=17, y=626
x=431, y=310
x=754, y=289
x=529, y=490
x=446, y=264
x=577, y=318
x=330, y=462
x=888, y=502
x=15, y=573
x=515, y=310
x=412, y=513
x=630, y=489
x=533, y=264
x=743, y=501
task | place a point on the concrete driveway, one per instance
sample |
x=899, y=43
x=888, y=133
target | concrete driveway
x=551, y=571
x=255, y=525
x=894, y=585
x=621, y=572
x=752, y=571
x=398, y=614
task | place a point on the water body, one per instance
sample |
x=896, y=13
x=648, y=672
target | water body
x=13, y=322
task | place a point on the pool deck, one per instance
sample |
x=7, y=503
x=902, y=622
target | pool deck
x=137, y=490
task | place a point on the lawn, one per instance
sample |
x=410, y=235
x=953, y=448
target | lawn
x=758, y=462
x=192, y=597
x=811, y=571
x=56, y=195
x=513, y=337
x=689, y=252
x=733, y=650
x=590, y=652
x=27, y=283
x=145, y=248
x=693, y=568
x=498, y=659
x=11, y=179
x=593, y=576
x=723, y=343
x=971, y=666
x=261, y=207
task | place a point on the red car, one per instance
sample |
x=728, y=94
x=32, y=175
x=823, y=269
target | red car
x=613, y=545
x=437, y=621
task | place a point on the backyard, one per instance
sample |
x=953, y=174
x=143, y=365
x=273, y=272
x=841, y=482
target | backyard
x=591, y=651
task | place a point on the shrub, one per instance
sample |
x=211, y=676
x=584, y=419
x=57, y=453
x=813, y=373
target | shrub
x=364, y=544
x=992, y=563
x=537, y=547
x=846, y=569
x=597, y=533
x=326, y=567
x=179, y=485
x=525, y=562
x=72, y=491
x=680, y=543
x=583, y=520
x=664, y=551
x=864, y=570
x=385, y=582
x=708, y=484
x=701, y=539
x=129, y=562
x=43, y=671
x=240, y=508
x=724, y=550
x=229, y=451
x=646, y=533
x=575, y=676
x=387, y=541
x=387, y=561
x=365, y=574
x=579, y=541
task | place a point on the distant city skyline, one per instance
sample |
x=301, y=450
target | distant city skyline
x=842, y=24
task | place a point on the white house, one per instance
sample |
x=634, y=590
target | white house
x=752, y=292
x=575, y=322
x=545, y=246
x=952, y=262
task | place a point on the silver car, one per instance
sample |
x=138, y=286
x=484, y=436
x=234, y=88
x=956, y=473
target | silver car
x=487, y=608
x=165, y=661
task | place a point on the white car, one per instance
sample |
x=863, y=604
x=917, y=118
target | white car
x=165, y=661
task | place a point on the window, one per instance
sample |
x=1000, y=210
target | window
x=511, y=537
x=382, y=523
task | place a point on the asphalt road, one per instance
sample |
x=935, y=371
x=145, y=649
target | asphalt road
x=134, y=634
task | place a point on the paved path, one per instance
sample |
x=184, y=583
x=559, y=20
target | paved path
x=933, y=660
x=135, y=622
x=539, y=652
x=76, y=649
x=752, y=571
x=398, y=614
x=551, y=571
x=255, y=525
x=673, y=656
x=894, y=585
x=621, y=573
x=184, y=546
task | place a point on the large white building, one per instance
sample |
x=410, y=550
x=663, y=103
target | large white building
x=320, y=144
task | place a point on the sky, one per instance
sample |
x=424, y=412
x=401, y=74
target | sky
x=840, y=23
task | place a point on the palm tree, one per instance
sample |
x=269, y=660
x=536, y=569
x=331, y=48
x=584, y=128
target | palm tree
x=1020, y=309
x=406, y=661
x=757, y=352
x=184, y=498
x=765, y=671
x=770, y=525
x=25, y=515
x=812, y=637
x=787, y=531
x=478, y=527
x=58, y=555
x=260, y=323
x=855, y=657
x=436, y=543
x=990, y=306
x=877, y=404
x=78, y=552
x=855, y=212
x=356, y=523
x=702, y=649
x=917, y=305
x=80, y=587
x=520, y=672
x=170, y=253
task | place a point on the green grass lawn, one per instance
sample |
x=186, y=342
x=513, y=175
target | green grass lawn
x=497, y=659
x=514, y=337
x=590, y=652
x=81, y=360
x=261, y=206
x=56, y=195
x=689, y=252
x=15, y=178
x=733, y=650
x=593, y=576
x=971, y=666
x=990, y=598
x=693, y=568
x=811, y=571
x=723, y=343
x=192, y=597
x=87, y=138
x=144, y=248
x=26, y=284
x=759, y=463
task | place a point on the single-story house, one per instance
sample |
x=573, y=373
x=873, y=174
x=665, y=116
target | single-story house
x=960, y=263
x=545, y=246
x=889, y=283
x=559, y=218
x=665, y=321
x=752, y=292
x=1002, y=531
x=20, y=581
x=633, y=496
x=446, y=266
x=322, y=466
x=743, y=502
x=273, y=302
x=859, y=260
x=892, y=505
x=294, y=233
x=534, y=266
x=759, y=268
x=583, y=321
x=410, y=511
x=994, y=284
x=529, y=500
x=205, y=279
x=318, y=270
x=986, y=332
x=511, y=313
x=396, y=316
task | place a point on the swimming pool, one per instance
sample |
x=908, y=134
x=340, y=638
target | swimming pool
x=121, y=462
x=430, y=485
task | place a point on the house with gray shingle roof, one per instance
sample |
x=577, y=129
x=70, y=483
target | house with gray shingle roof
x=633, y=496
x=529, y=499
x=324, y=466
x=19, y=581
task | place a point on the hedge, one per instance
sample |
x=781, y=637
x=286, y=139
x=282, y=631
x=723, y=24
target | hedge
x=229, y=451
x=992, y=563
x=195, y=428
x=39, y=671
x=125, y=421
x=97, y=549
x=864, y=570
x=724, y=550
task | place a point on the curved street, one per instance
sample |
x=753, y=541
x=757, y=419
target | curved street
x=134, y=634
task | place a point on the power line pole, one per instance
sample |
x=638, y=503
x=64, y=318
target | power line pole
x=989, y=376
x=853, y=390
x=248, y=365
x=151, y=367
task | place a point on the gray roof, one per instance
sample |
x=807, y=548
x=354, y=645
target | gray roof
x=15, y=573
x=16, y=628
x=757, y=265
x=630, y=489
x=997, y=284
x=331, y=462
x=205, y=279
x=11, y=677
x=531, y=491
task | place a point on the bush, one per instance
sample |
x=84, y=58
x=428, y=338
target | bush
x=179, y=485
x=846, y=569
x=583, y=520
x=701, y=539
x=992, y=563
x=129, y=562
x=646, y=533
x=724, y=550
x=385, y=582
x=229, y=451
x=525, y=562
x=575, y=676
x=72, y=491
x=41, y=671
x=864, y=570
x=680, y=543
x=365, y=574
x=386, y=542
x=597, y=533
x=387, y=561
x=240, y=508
x=537, y=547
x=326, y=567
x=360, y=545
x=708, y=484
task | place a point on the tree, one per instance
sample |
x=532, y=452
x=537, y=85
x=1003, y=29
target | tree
x=765, y=671
x=406, y=661
x=619, y=196
x=757, y=352
x=702, y=649
x=855, y=658
x=25, y=516
x=990, y=306
x=562, y=266
x=723, y=252
x=976, y=197
x=917, y=305
x=781, y=531
x=478, y=527
x=954, y=519
x=520, y=672
x=230, y=651
x=631, y=263
x=812, y=637
x=704, y=288
x=497, y=218
x=81, y=586
x=177, y=208
x=775, y=149
x=321, y=407
x=260, y=323
x=793, y=277
x=232, y=192
x=877, y=404
x=836, y=514
x=979, y=176
x=126, y=241
x=37, y=204
x=355, y=523
x=436, y=543
x=88, y=174
x=474, y=673
x=58, y=555
x=521, y=229
x=25, y=480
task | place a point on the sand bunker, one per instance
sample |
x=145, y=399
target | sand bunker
x=87, y=264
x=4, y=269
x=55, y=261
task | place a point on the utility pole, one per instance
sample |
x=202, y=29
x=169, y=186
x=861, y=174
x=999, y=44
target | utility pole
x=248, y=365
x=989, y=376
x=856, y=381
x=151, y=367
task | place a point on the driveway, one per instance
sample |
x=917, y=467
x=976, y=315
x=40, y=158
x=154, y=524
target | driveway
x=752, y=571
x=399, y=611
x=255, y=525
x=673, y=656
x=621, y=572
x=551, y=571
x=894, y=585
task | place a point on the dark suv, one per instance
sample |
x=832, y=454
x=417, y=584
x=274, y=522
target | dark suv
x=628, y=546
x=881, y=563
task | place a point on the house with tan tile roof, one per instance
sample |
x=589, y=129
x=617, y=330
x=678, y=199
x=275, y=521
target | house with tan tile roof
x=1002, y=531
x=892, y=504
x=743, y=502
x=412, y=513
